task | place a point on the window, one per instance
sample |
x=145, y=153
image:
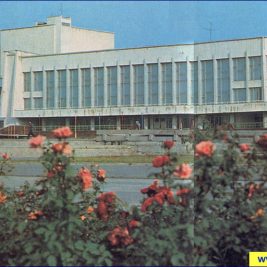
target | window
x=50, y=89
x=99, y=86
x=27, y=103
x=239, y=69
x=240, y=94
x=62, y=89
x=112, y=86
x=139, y=84
x=153, y=86
x=86, y=87
x=38, y=81
x=194, y=81
x=223, y=74
x=166, y=69
x=255, y=93
x=255, y=68
x=125, y=85
x=27, y=81
x=38, y=102
x=181, y=83
x=74, y=89
x=207, y=82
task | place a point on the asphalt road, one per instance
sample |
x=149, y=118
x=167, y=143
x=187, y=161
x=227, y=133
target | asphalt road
x=124, y=179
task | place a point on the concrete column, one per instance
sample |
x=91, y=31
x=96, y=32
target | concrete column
x=263, y=74
x=215, y=80
x=174, y=82
x=247, y=77
x=132, y=100
x=180, y=126
x=92, y=123
x=174, y=122
x=56, y=88
x=232, y=118
x=67, y=121
x=32, y=89
x=105, y=86
x=199, y=68
x=80, y=102
x=118, y=84
x=44, y=89
x=118, y=123
x=92, y=86
x=145, y=122
x=188, y=82
x=159, y=83
x=145, y=84
x=231, y=75
x=43, y=124
x=68, y=93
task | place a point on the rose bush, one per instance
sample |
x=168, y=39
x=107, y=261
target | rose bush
x=213, y=216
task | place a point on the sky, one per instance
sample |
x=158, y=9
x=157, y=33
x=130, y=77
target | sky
x=147, y=23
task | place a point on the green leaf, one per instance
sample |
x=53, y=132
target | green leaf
x=51, y=260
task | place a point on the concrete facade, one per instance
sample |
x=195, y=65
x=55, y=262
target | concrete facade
x=78, y=78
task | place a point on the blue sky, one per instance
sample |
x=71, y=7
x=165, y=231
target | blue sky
x=144, y=23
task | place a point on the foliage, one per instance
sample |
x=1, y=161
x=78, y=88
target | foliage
x=214, y=217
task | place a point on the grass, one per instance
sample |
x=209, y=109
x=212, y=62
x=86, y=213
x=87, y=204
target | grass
x=128, y=159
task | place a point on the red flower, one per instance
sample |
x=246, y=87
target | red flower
x=35, y=215
x=168, y=144
x=152, y=189
x=5, y=156
x=184, y=171
x=160, y=161
x=120, y=237
x=36, y=141
x=244, y=147
x=205, y=148
x=86, y=178
x=251, y=190
x=159, y=198
x=134, y=224
x=106, y=205
x=101, y=175
x=63, y=132
x=147, y=203
x=183, y=191
x=3, y=198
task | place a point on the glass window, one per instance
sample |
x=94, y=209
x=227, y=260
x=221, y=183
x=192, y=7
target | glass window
x=153, y=86
x=27, y=103
x=125, y=85
x=112, y=86
x=99, y=86
x=194, y=81
x=50, y=89
x=38, y=81
x=207, y=82
x=166, y=69
x=255, y=93
x=255, y=68
x=223, y=75
x=27, y=81
x=181, y=83
x=38, y=102
x=239, y=69
x=138, y=84
x=86, y=87
x=74, y=89
x=240, y=94
x=62, y=89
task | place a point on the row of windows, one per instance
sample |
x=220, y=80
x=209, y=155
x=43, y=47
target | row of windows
x=170, y=89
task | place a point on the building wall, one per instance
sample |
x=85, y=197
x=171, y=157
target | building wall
x=75, y=39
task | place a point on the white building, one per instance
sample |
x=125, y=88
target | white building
x=54, y=74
